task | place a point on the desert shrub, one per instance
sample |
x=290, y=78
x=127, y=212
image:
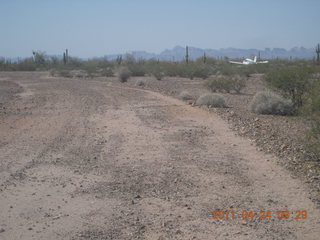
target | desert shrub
x=140, y=83
x=227, y=69
x=81, y=74
x=27, y=64
x=292, y=82
x=200, y=71
x=65, y=73
x=311, y=110
x=211, y=99
x=192, y=70
x=75, y=62
x=107, y=72
x=124, y=74
x=271, y=103
x=156, y=69
x=238, y=83
x=158, y=75
x=137, y=70
x=219, y=84
x=185, y=96
x=39, y=58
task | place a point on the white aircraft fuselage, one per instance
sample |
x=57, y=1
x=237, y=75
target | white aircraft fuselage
x=249, y=61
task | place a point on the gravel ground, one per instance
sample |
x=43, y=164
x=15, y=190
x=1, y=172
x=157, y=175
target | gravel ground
x=283, y=136
x=97, y=159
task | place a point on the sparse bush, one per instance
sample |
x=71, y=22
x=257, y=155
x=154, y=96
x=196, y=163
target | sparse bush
x=65, y=73
x=26, y=65
x=227, y=69
x=200, y=71
x=219, y=84
x=140, y=83
x=211, y=99
x=226, y=84
x=39, y=58
x=271, y=103
x=238, y=83
x=124, y=74
x=107, y=72
x=137, y=70
x=293, y=82
x=185, y=96
x=312, y=111
x=158, y=75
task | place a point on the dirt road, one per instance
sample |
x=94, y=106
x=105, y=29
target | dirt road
x=95, y=159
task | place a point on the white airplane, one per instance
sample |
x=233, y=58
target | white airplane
x=248, y=61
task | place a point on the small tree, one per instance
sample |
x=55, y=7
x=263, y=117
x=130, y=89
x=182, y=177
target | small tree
x=124, y=74
x=292, y=82
x=39, y=58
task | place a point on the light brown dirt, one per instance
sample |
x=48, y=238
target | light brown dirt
x=96, y=159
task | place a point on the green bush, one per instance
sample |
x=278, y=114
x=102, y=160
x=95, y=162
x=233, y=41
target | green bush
x=137, y=70
x=25, y=65
x=211, y=99
x=219, y=84
x=185, y=96
x=200, y=71
x=271, y=103
x=311, y=109
x=124, y=74
x=226, y=84
x=107, y=72
x=227, y=69
x=292, y=82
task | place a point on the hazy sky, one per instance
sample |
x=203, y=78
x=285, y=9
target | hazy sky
x=98, y=27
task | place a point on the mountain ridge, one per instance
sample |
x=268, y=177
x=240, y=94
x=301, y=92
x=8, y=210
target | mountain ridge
x=177, y=53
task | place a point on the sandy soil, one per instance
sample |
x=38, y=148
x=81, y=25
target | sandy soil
x=96, y=159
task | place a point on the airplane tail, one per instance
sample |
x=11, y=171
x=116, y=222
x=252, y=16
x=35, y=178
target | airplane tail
x=255, y=59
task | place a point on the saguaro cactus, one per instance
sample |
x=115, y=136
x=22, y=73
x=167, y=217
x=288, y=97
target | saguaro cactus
x=65, y=57
x=204, y=58
x=119, y=59
x=187, y=54
x=318, y=52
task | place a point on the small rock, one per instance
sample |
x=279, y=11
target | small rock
x=2, y=230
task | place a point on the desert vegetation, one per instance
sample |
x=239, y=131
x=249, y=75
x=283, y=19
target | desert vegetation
x=227, y=83
x=124, y=74
x=211, y=99
x=293, y=84
x=301, y=84
x=140, y=83
x=185, y=96
x=271, y=103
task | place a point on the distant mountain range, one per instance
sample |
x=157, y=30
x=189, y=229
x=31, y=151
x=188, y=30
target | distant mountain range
x=178, y=53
